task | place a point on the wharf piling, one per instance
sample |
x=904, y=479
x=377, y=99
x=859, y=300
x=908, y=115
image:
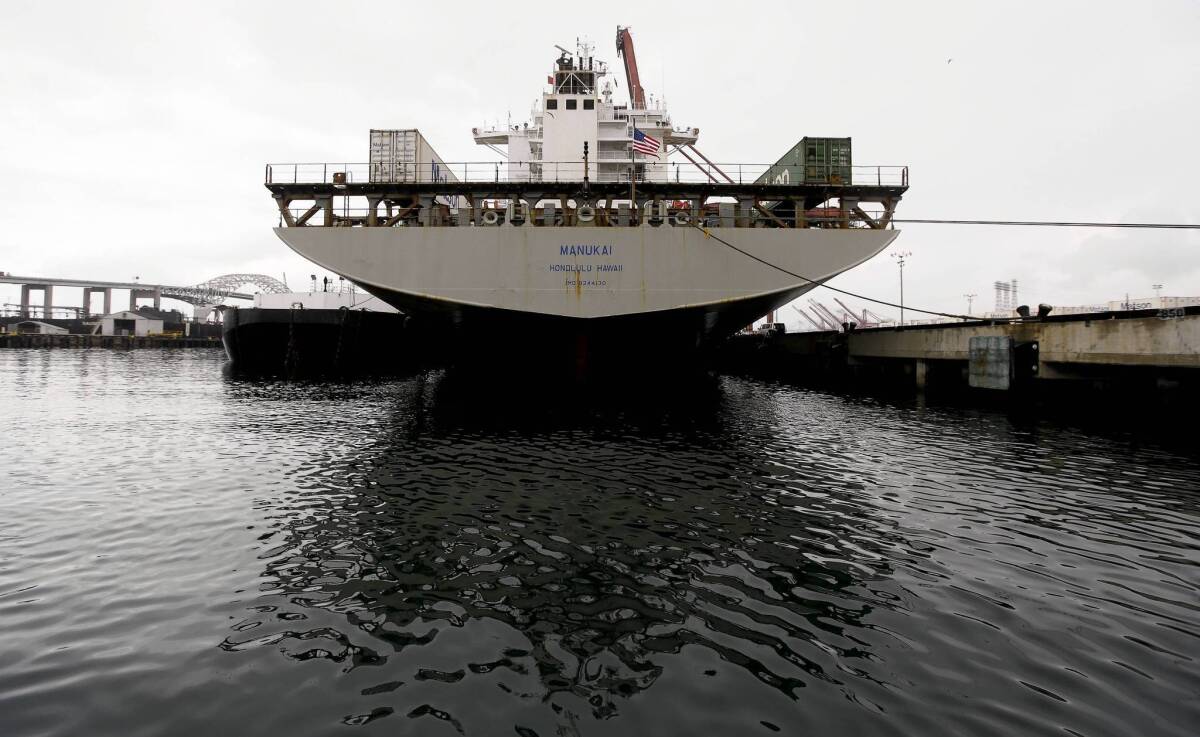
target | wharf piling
x=105, y=341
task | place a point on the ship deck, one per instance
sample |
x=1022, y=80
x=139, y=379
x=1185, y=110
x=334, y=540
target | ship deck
x=811, y=194
x=357, y=195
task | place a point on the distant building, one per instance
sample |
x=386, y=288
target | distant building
x=351, y=300
x=169, y=317
x=33, y=327
x=1129, y=303
x=1116, y=305
x=1152, y=303
x=129, y=323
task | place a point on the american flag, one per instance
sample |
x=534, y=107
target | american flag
x=644, y=143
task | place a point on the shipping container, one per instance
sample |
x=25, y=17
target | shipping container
x=813, y=161
x=827, y=160
x=405, y=156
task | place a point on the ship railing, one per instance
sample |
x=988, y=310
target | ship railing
x=535, y=214
x=641, y=168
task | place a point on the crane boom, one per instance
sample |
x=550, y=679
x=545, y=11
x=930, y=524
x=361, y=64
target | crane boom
x=806, y=316
x=850, y=312
x=826, y=313
x=637, y=95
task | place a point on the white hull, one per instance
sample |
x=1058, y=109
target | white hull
x=585, y=273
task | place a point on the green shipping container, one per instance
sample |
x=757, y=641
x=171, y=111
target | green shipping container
x=826, y=160
x=813, y=161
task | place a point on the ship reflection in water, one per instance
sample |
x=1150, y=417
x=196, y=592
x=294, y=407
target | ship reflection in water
x=576, y=560
x=187, y=553
x=710, y=557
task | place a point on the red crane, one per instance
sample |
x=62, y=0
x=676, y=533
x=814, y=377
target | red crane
x=637, y=95
x=637, y=101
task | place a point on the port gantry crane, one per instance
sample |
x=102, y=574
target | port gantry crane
x=869, y=319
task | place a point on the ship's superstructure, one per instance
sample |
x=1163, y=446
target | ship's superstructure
x=587, y=234
x=577, y=108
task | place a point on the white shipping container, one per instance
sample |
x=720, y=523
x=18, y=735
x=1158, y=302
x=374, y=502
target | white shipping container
x=405, y=156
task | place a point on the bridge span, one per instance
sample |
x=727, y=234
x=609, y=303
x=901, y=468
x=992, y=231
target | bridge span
x=203, y=296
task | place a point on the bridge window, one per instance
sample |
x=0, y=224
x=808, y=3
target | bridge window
x=589, y=104
x=571, y=104
x=551, y=104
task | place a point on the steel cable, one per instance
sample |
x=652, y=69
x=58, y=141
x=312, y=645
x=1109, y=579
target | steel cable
x=708, y=234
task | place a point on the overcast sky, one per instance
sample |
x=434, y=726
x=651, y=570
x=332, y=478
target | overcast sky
x=133, y=135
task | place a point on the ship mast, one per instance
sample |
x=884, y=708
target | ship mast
x=637, y=95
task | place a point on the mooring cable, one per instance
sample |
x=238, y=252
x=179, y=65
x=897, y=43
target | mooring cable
x=719, y=239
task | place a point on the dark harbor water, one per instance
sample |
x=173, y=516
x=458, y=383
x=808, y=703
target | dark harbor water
x=182, y=552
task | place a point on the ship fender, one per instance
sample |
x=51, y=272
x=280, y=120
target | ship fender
x=585, y=213
x=655, y=213
x=491, y=217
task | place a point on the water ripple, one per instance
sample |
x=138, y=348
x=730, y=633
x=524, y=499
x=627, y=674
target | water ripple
x=187, y=553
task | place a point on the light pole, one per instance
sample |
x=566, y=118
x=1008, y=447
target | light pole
x=900, y=257
x=970, y=301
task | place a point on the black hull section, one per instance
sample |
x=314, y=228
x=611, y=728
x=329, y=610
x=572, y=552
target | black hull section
x=495, y=339
x=316, y=342
x=481, y=339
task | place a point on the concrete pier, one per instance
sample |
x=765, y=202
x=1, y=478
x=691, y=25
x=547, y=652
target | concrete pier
x=87, y=299
x=154, y=293
x=47, y=299
x=1146, y=348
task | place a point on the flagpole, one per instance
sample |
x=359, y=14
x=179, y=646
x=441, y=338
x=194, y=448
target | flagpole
x=632, y=169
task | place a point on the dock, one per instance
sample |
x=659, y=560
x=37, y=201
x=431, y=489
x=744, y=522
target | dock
x=105, y=341
x=1131, y=350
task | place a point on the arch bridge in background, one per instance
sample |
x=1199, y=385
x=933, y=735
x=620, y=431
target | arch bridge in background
x=203, y=297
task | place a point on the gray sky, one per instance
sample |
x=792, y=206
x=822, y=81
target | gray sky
x=133, y=135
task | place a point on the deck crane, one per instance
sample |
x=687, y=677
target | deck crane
x=637, y=101
x=637, y=95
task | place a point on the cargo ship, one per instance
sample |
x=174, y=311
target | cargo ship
x=602, y=233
